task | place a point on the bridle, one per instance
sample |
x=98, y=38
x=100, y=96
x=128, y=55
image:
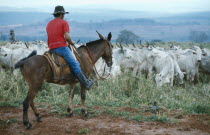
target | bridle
x=91, y=57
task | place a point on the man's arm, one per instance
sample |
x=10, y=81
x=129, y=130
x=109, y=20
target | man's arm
x=68, y=39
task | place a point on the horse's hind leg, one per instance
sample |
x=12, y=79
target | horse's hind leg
x=36, y=112
x=25, y=112
x=71, y=96
x=29, y=101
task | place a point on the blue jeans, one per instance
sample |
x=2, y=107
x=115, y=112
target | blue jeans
x=67, y=54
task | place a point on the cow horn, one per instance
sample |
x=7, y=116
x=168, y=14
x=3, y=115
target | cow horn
x=117, y=45
x=134, y=45
x=26, y=45
x=140, y=42
x=147, y=43
x=121, y=46
x=127, y=44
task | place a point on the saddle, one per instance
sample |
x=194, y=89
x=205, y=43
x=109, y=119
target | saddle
x=61, y=70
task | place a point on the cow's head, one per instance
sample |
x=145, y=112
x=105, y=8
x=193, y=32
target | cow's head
x=205, y=52
x=175, y=48
x=198, y=52
x=2, y=52
x=180, y=77
x=4, y=55
x=161, y=79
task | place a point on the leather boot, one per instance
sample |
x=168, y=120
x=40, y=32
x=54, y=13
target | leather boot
x=84, y=81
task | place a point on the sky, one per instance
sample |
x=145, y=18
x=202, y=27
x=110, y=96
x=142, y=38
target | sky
x=170, y=6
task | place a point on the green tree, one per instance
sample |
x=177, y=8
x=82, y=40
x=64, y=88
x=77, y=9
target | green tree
x=127, y=36
x=198, y=36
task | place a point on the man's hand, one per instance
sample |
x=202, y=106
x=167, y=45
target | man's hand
x=72, y=43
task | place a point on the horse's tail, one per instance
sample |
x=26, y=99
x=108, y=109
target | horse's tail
x=22, y=61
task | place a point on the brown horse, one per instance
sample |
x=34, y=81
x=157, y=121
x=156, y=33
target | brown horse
x=36, y=70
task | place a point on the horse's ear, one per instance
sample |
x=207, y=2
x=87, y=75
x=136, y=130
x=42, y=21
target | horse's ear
x=109, y=36
x=101, y=37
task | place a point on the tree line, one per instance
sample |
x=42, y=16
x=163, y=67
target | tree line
x=128, y=37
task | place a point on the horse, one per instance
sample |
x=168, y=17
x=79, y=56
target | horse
x=36, y=70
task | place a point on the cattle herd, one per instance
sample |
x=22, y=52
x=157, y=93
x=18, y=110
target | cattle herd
x=12, y=53
x=172, y=65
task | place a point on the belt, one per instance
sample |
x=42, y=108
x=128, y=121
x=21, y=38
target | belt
x=57, y=42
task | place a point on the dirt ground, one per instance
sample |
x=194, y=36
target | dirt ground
x=99, y=125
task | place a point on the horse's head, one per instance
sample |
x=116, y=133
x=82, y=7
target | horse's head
x=107, y=54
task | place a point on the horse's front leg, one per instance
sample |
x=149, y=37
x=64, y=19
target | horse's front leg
x=83, y=97
x=71, y=96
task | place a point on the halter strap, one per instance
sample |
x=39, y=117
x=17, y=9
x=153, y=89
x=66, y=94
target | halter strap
x=91, y=57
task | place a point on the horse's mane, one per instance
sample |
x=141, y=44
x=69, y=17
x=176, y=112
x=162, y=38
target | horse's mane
x=91, y=43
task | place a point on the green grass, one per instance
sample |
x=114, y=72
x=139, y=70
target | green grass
x=2, y=43
x=83, y=131
x=122, y=91
x=198, y=108
x=10, y=103
x=141, y=118
x=7, y=122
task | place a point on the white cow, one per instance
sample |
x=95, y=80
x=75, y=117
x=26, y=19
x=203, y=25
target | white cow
x=41, y=47
x=205, y=65
x=15, y=45
x=175, y=48
x=135, y=59
x=188, y=63
x=193, y=50
x=130, y=60
x=15, y=52
x=11, y=56
x=121, y=59
x=177, y=71
x=205, y=52
x=103, y=70
x=163, y=65
x=198, y=52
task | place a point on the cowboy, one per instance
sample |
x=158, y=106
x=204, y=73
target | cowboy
x=12, y=36
x=58, y=34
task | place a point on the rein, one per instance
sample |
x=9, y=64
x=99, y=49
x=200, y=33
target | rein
x=91, y=57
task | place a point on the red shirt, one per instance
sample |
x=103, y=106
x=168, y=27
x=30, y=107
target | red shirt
x=55, y=32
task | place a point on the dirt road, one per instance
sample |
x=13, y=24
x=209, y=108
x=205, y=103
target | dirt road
x=11, y=124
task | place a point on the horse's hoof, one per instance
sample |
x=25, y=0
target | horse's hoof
x=86, y=114
x=29, y=126
x=68, y=109
x=25, y=122
x=71, y=114
x=83, y=111
x=39, y=119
